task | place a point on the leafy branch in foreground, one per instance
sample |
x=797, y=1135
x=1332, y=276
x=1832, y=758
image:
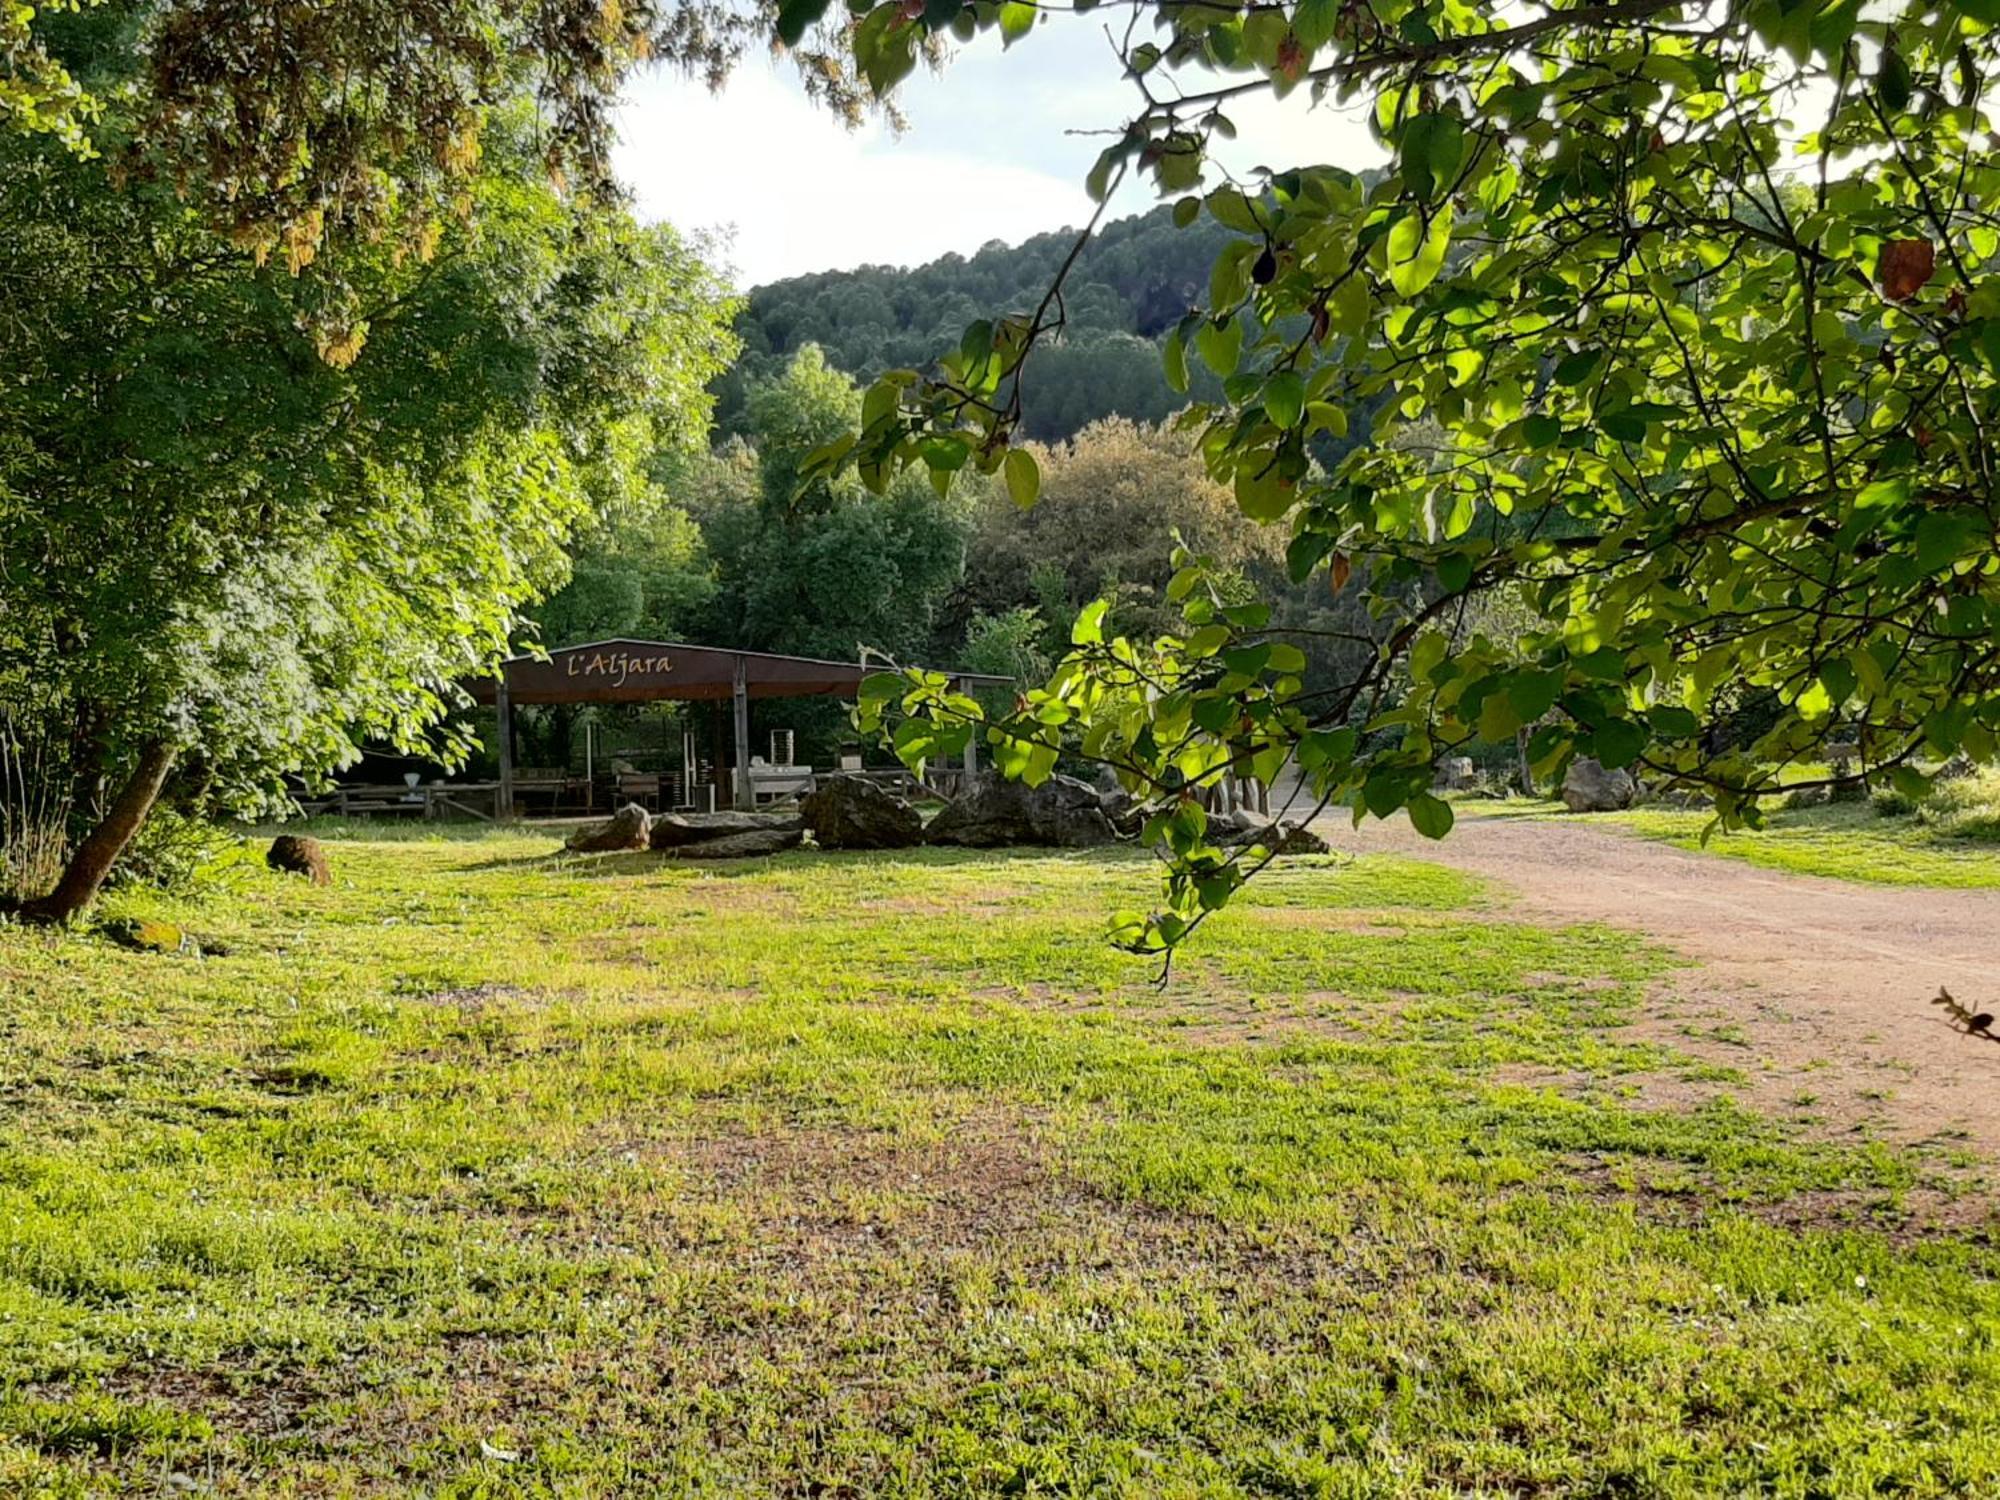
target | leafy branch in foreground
x=1698, y=303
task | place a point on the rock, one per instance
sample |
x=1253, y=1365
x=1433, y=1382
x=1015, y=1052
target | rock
x=1296, y=838
x=751, y=845
x=1588, y=787
x=1061, y=813
x=625, y=829
x=145, y=936
x=1456, y=773
x=295, y=854
x=1126, y=812
x=1234, y=829
x=679, y=830
x=854, y=812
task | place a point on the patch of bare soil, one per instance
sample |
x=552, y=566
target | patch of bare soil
x=1814, y=989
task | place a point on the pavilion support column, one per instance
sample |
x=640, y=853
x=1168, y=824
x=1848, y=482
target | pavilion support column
x=746, y=794
x=503, y=712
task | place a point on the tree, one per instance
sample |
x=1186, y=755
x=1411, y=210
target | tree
x=1113, y=500
x=306, y=130
x=229, y=556
x=1699, y=298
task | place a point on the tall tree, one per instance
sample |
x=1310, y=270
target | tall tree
x=226, y=552
x=822, y=566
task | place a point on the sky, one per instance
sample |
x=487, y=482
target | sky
x=993, y=151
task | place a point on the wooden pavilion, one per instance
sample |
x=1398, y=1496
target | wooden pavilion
x=626, y=671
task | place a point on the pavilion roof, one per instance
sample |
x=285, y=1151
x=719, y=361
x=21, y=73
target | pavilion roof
x=631, y=671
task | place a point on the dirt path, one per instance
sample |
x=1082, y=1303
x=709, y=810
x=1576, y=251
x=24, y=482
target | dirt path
x=1816, y=987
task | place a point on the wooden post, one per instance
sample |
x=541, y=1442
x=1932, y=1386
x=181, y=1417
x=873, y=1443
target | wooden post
x=746, y=794
x=971, y=749
x=503, y=711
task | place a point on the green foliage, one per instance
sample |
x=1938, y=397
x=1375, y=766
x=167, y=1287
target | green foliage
x=1112, y=500
x=812, y=563
x=220, y=538
x=318, y=136
x=1695, y=304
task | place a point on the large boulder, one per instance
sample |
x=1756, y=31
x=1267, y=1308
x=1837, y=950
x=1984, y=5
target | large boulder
x=1126, y=812
x=854, y=812
x=1061, y=813
x=754, y=844
x=681, y=830
x=625, y=829
x=1590, y=788
x=294, y=854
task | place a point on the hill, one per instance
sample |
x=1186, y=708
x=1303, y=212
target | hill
x=1131, y=285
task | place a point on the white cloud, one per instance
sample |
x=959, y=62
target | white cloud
x=997, y=148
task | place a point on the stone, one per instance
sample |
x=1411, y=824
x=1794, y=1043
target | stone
x=1126, y=812
x=144, y=936
x=752, y=845
x=625, y=829
x=679, y=830
x=295, y=854
x=1588, y=787
x=1456, y=773
x=1233, y=829
x=855, y=812
x=1296, y=838
x=993, y=812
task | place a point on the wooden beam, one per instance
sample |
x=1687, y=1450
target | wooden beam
x=503, y=711
x=746, y=794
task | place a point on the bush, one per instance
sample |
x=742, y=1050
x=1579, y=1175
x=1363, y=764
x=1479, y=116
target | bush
x=1890, y=803
x=178, y=853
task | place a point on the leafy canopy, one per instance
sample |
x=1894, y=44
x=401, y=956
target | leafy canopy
x=219, y=542
x=1697, y=306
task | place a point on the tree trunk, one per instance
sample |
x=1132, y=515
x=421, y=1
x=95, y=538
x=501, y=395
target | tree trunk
x=95, y=856
x=1527, y=767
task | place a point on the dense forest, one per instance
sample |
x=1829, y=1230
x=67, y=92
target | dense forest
x=1133, y=282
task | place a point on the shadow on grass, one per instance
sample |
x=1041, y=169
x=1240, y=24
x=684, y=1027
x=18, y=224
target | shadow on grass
x=652, y=861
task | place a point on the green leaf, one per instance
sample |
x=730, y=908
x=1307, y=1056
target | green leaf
x=796, y=17
x=1431, y=816
x=1433, y=146
x=1261, y=491
x=1285, y=398
x=1089, y=627
x=1017, y=19
x=1314, y=21
x=1619, y=742
x=1220, y=345
x=1416, y=249
x=1024, y=477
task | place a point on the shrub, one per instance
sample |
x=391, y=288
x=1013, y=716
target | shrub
x=179, y=853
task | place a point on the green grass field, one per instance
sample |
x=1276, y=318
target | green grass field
x=1952, y=840
x=487, y=1173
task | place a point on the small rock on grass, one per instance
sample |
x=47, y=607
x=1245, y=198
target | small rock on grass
x=145, y=936
x=295, y=854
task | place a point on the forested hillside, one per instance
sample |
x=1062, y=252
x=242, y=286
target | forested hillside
x=1131, y=285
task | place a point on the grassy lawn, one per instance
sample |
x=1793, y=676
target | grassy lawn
x=1952, y=840
x=484, y=1173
